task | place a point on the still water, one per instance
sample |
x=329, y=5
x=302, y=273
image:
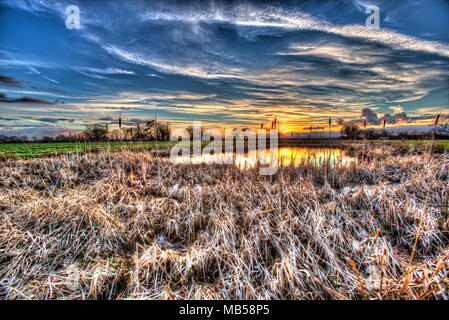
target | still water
x=285, y=156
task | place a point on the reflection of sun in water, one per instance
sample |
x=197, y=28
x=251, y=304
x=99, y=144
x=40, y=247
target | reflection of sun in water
x=285, y=155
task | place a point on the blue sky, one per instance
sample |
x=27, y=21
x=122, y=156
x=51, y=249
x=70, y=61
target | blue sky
x=228, y=64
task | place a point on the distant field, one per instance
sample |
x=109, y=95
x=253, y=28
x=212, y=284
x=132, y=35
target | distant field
x=444, y=143
x=35, y=150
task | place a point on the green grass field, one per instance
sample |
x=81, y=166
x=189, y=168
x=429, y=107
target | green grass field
x=35, y=150
x=443, y=143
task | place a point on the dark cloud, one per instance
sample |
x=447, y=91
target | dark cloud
x=25, y=99
x=8, y=119
x=313, y=128
x=48, y=120
x=124, y=121
x=10, y=82
x=57, y=91
x=120, y=108
x=372, y=118
x=50, y=90
x=343, y=122
x=107, y=119
x=54, y=120
x=397, y=118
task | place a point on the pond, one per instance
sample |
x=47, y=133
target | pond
x=286, y=156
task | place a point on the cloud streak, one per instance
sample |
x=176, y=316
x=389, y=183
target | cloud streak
x=248, y=15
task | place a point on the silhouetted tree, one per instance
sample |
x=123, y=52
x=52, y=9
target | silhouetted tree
x=95, y=132
x=351, y=131
x=371, y=134
x=47, y=139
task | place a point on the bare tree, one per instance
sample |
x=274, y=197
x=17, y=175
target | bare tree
x=190, y=131
x=162, y=131
x=153, y=130
x=351, y=131
x=95, y=132
x=443, y=126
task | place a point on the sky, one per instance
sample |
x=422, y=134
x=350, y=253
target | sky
x=227, y=64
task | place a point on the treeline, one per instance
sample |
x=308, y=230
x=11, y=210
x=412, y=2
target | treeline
x=354, y=132
x=155, y=130
x=149, y=131
x=98, y=132
x=17, y=139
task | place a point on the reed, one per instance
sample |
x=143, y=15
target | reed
x=132, y=225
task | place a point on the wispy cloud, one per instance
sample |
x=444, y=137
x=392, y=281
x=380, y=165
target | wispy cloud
x=248, y=15
x=353, y=54
x=106, y=71
x=191, y=70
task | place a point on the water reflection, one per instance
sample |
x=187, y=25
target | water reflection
x=286, y=156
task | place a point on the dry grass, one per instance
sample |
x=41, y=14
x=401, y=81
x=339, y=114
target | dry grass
x=130, y=226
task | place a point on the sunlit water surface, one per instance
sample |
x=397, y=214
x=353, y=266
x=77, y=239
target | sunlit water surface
x=286, y=156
